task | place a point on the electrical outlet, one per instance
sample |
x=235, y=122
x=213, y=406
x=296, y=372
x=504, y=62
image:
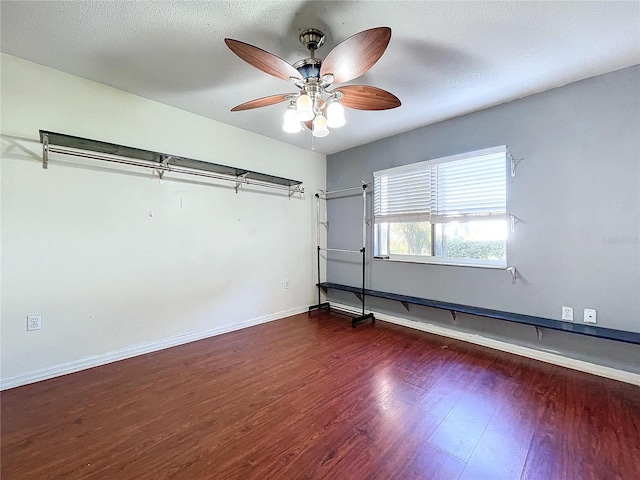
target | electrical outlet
x=34, y=322
x=589, y=315
x=567, y=314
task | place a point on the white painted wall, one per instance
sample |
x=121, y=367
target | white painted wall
x=118, y=263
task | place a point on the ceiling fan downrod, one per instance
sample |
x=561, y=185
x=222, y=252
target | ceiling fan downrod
x=309, y=68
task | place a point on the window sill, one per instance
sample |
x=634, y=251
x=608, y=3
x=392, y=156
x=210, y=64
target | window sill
x=436, y=261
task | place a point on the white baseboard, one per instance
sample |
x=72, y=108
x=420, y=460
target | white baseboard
x=548, y=357
x=140, y=349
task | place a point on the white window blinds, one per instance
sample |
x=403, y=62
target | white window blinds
x=442, y=190
x=403, y=196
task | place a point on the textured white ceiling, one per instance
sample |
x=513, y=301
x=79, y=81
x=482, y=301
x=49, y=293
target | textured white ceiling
x=445, y=58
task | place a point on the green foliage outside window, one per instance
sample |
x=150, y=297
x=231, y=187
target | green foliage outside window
x=486, y=250
x=414, y=238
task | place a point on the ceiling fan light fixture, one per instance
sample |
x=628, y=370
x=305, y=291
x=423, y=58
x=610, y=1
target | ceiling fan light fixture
x=315, y=106
x=320, y=126
x=335, y=114
x=291, y=124
x=327, y=79
x=304, y=108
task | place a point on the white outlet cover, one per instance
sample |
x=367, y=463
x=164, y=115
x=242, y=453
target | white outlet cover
x=567, y=314
x=34, y=322
x=589, y=315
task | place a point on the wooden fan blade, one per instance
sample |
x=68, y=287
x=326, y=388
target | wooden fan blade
x=262, y=102
x=262, y=60
x=364, y=97
x=357, y=54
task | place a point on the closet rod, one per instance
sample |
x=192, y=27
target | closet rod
x=359, y=187
x=169, y=168
x=162, y=163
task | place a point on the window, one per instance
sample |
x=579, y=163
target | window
x=450, y=210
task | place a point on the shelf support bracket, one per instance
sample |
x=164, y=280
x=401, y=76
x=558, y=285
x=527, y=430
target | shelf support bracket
x=514, y=273
x=358, y=295
x=539, y=332
x=293, y=190
x=405, y=305
x=454, y=316
x=513, y=221
x=164, y=167
x=240, y=179
x=514, y=164
x=45, y=151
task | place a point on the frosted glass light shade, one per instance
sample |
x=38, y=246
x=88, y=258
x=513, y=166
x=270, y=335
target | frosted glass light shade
x=335, y=115
x=291, y=124
x=304, y=108
x=320, y=126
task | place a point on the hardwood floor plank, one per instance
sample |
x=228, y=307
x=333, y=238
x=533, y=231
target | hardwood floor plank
x=460, y=431
x=310, y=397
x=502, y=449
x=430, y=463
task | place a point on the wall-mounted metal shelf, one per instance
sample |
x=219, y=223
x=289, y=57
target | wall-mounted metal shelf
x=53, y=142
x=454, y=309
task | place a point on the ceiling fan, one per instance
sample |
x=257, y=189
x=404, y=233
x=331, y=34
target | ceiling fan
x=316, y=105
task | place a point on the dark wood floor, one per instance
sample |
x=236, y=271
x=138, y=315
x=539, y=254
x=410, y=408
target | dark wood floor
x=310, y=397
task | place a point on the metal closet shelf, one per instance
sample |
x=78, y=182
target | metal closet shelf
x=53, y=142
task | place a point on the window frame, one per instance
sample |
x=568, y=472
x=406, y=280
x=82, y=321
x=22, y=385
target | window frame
x=432, y=259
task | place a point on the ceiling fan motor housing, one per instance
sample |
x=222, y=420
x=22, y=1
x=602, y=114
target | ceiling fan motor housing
x=308, y=68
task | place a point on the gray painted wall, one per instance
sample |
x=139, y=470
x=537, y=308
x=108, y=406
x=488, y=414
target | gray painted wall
x=576, y=193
